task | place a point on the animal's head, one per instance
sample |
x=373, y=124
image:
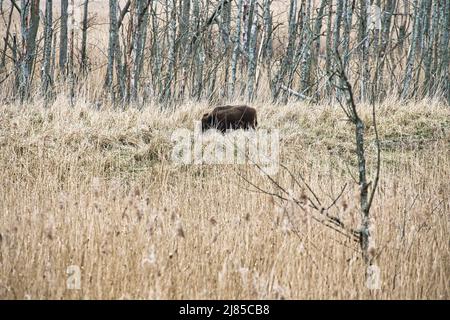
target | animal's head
x=206, y=121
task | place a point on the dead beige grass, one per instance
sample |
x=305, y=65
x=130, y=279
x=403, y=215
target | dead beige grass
x=97, y=189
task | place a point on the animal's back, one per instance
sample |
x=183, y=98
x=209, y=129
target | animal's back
x=241, y=116
x=230, y=116
x=222, y=108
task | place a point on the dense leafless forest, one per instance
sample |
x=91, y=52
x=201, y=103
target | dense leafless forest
x=351, y=95
x=170, y=51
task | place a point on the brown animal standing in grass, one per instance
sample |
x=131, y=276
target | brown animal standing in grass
x=230, y=117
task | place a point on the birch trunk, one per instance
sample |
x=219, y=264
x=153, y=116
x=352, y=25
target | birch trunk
x=328, y=40
x=140, y=20
x=386, y=22
x=348, y=19
x=199, y=55
x=72, y=55
x=170, y=75
x=184, y=35
x=3, y=59
x=84, y=37
x=156, y=51
x=29, y=24
x=305, y=54
x=48, y=37
x=236, y=49
x=444, y=51
x=268, y=29
x=337, y=25
x=364, y=42
x=252, y=52
x=111, y=46
x=312, y=63
x=63, y=38
x=433, y=38
x=412, y=53
x=227, y=48
x=288, y=58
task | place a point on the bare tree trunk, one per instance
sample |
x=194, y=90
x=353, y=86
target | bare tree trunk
x=385, y=38
x=135, y=44
x=3, y=59
x=47, y=63
x=304, y=49
x=348, y=18
x=111, y=43
x=248, y=23
x=433, y=37
x=72, y=55
x=315, y=48
x=170, y=74
x=412, y=52
x=288, y=59
x=156, y=51
x=405, y=18
x=252, y=52
x=111, y=47
x=337, y=36
x=443, y=71
x=199, y=54
x=328, y=50
x=184, y=35
x=337, y=25
x=364, y=42
x=425, y=44
x=84, y=62
x=236, y=49
x=422, y=37
x=33, y=28
x=299, y=46
x=53, y=60
x=227, y=48
x=29, y=23
x=17, y=64
x=365, y=197
x=63, y=38
x=245, y=23
x=267, y=45
x=375, y=26
x=139, y=34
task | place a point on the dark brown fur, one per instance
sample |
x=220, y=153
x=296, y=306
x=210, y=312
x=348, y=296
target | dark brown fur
x=230, y=117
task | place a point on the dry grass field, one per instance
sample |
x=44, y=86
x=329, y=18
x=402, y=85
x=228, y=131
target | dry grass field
x=97, y=189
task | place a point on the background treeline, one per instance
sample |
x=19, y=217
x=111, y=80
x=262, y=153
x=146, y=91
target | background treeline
x=168, y=51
